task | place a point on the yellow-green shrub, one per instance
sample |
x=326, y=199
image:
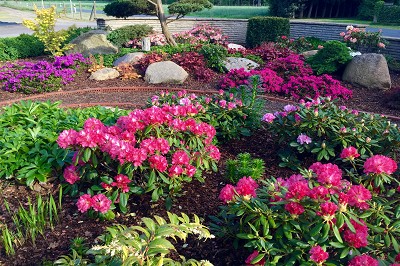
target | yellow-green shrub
x=44, y=30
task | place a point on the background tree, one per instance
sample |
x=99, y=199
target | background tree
x=176, y=10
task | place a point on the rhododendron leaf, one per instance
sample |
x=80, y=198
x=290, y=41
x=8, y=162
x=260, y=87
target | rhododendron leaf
x=344, y=252
x=245, y=236
x=123, y=199
x=86, y=155
x=387, y=240
x=326, y=231
x=339, y=220
x=152, y=179
x=316, y=229
x=155, y=196
x=94, y=160
x=349, y=224
x=365, y=215
x=337, y=234
x=337, y=244
x=395, y=244
x=114, y=196
x=96, y=188
x=258, y=258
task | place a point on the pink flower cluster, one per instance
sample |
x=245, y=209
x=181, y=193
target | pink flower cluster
x=358, y=239
x=349, y=153
x=379, y=164
x=318, y=255
x=270, y=81
x=202, y=33
x=292, y=65
x=362, y=260
x=99, y=203
x=245, y=187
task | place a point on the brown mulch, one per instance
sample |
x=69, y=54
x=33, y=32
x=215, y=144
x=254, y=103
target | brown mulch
x=199, y=198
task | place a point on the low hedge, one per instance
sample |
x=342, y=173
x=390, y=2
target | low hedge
x=23, y=46
x=389, y=14
x=266, y=29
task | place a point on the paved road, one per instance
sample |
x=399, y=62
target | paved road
x=386, y=32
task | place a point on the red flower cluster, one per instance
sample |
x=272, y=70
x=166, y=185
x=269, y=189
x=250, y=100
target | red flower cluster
x=245, y=187
x=98, y=202
x=318, y=255
x=70, y=174
x=357, y=197
x=359, y=238
x=294, y=208
x=121, y=181
x=349, y=153
x=379, y=164
x=327, y=174
x=362, y=260
x=328, y=210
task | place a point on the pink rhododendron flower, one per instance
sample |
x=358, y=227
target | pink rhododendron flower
x=158, y=162
x=121, y=181
x=397, y=258
x=381, y=45
x=328, y=210
x=101, y=203
x=70, y=174
x=349, y=153
x=251, y=257
x=289, y=108
x=180, y=157
x=84, y=203
x=67, y=138
x=358, y=195
x=303, y=138
x=379, y=164
x=363, y=260
x=318, y=255
x=227, y=193
x=175, y=170
x=268, y=117
x=359, y=238
x=327, y=174
x=294, y=208
x=214, y=152
x=190, y=170
x=247, y=186
x=297, y=190
x=319, y=193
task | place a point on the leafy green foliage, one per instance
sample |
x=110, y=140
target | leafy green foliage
x=108, y=59
x=28, y=134
x=330, y=59
x=266, y=29
x=332, y=128
x=388, y=14
x=214, y=55
x=122, y=35
x=74, y=32
x=242, y=166
x=148, y=244
x=124, y=9
x=184, y=7
x=29, y=223
x=23, y=46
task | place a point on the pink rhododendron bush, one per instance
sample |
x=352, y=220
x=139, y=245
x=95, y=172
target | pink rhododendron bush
x=321, y=129
x=153, y=151
x=322, y=216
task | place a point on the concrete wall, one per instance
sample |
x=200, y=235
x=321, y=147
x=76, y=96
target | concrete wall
x=236, y=29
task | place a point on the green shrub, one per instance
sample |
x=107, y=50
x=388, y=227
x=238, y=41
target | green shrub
x=281, y=8
x=28, y=134
x=171, y=50
x=108, y=59
x=74, y=32
x=215, y=56
x=389, y=14
x=22, y=46
x=366, y=10
x=124, y=9
x=242, y=166
x=330, y=59
x=122, y=35
x=266, y=29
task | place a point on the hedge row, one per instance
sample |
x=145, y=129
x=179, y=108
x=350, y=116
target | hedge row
x=266, y=29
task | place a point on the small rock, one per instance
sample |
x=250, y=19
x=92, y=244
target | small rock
x=310, y=53
x=165, y=72
x=130, y=58
x=235, y=46
x=105, y=74
x=239, y=62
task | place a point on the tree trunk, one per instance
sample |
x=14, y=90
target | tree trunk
x=337, y=10
x=163, y=22
x=301, y=12
x=316, y=11
x=310, y=10
x=330, y=11
x=324, y=10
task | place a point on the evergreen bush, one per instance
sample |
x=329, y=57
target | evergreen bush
x=266, y=29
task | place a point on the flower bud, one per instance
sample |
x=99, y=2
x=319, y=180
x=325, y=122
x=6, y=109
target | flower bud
x=368, y=139
x=323, y=146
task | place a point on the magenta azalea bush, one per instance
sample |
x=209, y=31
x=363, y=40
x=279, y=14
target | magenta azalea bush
x=152, y=150
x=316, y=217
x=321, y=129
x=42, y=76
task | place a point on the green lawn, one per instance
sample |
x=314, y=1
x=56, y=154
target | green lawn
x=356, y=22
x=243, y=12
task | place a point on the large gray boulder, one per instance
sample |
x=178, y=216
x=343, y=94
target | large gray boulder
x=165, y=72
x=104, y=74
x=368, y=70
x=239, y=62
x=130, y=58
x=92, y=42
